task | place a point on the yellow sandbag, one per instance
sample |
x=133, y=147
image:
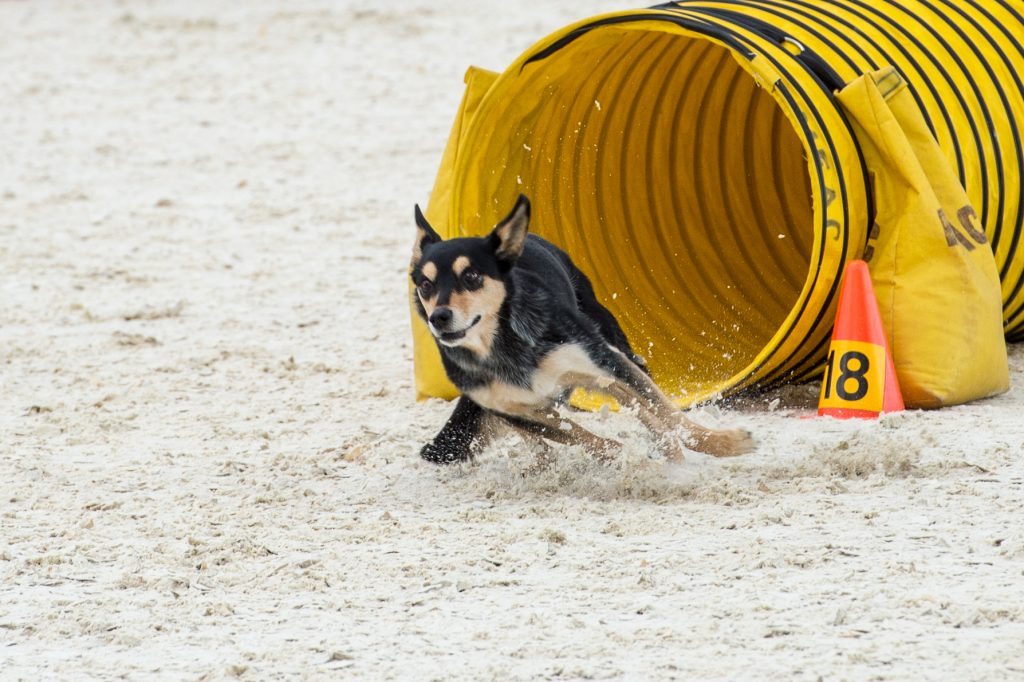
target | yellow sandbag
x=431, y=380
x=932, y=267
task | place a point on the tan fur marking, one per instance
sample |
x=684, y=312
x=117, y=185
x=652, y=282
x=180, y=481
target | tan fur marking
x=481, y=337
x=417, y=248
x=429, y=270
x=507, y=399
x=485, y=302
x=512, y=239
x=566, y=367
x=512, y=232
x=460, y=264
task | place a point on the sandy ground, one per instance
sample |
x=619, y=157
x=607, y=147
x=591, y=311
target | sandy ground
x=208, y=463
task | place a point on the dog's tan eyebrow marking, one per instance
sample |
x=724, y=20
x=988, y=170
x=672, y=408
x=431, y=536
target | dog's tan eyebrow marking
x=429, y=270
x=460, y=264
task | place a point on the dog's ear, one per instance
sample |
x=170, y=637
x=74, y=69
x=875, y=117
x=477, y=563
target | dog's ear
x=425, y=235
x=509, y=236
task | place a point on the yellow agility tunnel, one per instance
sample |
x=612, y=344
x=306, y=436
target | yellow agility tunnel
x=695, y=162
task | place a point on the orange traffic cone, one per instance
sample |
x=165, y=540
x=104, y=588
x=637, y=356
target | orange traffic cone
x=860, y=378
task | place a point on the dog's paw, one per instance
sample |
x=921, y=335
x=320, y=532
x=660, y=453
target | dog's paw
x=441, y=454
x=728, y=443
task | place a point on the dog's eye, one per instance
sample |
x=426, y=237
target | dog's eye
x=472, y=279
x=426, y=288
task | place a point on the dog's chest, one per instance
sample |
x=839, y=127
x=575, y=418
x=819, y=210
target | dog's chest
x=565, y=367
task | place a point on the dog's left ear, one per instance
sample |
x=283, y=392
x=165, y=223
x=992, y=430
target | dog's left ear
x=425, y=235
x=509, y=236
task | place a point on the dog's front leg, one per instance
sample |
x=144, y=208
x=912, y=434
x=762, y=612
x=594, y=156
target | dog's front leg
x=556, y=428
x=465, y=434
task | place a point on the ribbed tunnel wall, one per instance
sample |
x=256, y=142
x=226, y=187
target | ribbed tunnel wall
x=692, y=160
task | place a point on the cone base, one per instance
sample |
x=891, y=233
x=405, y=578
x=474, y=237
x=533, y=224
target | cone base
x=846, y=413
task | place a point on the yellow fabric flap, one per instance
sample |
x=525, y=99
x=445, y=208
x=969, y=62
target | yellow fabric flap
x=931, y=265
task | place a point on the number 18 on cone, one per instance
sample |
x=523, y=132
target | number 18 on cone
x=860, y=378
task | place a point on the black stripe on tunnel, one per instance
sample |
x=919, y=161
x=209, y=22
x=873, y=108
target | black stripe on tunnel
x=697, y=27
x=1010, y=313
x=939, y=68
x=997, y=229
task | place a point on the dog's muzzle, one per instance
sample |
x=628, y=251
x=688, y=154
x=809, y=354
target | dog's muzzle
x=450, y=338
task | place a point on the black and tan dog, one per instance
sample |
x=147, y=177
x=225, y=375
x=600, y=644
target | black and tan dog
x=519, y=328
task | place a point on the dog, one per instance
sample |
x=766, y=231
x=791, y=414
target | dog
x=519, y=328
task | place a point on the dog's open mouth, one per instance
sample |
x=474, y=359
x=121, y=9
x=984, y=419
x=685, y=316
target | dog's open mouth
x=452, y=337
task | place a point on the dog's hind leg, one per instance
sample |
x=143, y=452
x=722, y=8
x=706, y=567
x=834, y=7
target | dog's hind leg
x=661, y=429
x=606, y=322
x=465, y=434
x=636, y=388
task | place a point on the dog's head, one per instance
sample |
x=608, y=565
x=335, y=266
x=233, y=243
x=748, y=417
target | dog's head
x=461, y=283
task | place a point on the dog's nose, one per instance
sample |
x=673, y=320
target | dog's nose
x=441, y=318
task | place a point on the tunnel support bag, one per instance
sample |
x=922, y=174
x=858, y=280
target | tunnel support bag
x=431, y=380
x=931, y=265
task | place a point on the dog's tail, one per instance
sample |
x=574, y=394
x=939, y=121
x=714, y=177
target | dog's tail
x=612, y=332
x=588, y=304
x=606, y=322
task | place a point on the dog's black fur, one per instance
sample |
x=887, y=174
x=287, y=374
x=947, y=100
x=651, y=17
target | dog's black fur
x=503, y=309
